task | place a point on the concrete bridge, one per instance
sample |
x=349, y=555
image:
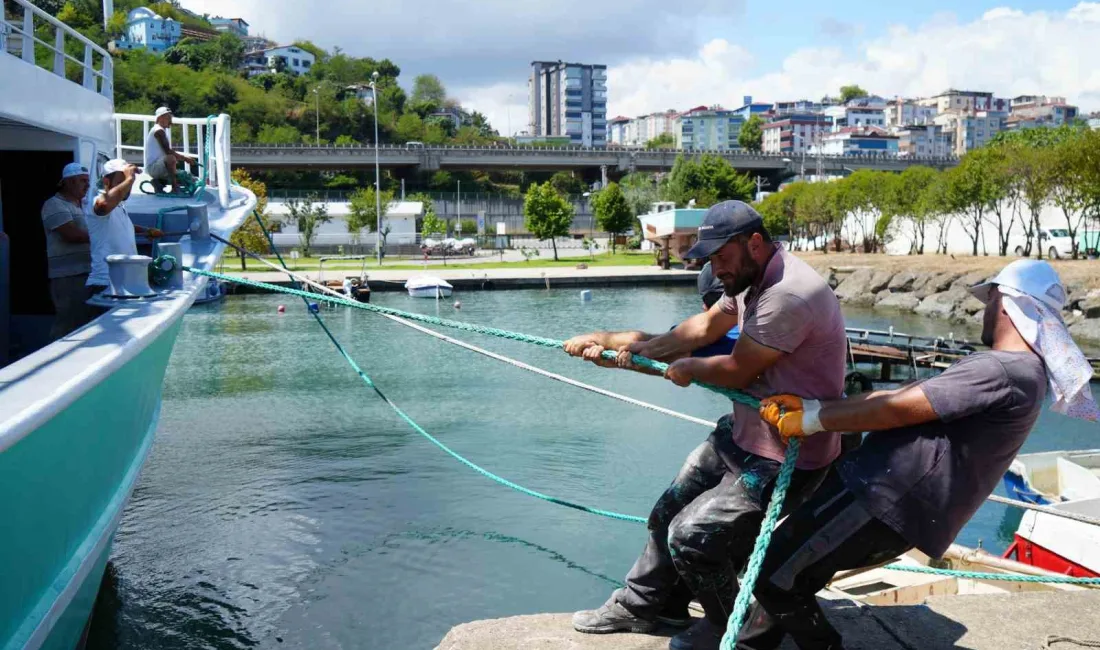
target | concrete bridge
x=616, y=161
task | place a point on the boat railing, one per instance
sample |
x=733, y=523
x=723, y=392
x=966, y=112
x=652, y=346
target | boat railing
x=193, y=133
x=19, y=38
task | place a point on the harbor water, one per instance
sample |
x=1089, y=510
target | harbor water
x=285, y=506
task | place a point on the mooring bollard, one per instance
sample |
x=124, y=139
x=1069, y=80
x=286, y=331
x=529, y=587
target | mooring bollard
x=586, y=295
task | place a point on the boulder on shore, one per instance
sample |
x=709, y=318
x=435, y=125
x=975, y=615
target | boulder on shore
x=1090, y=306
x=899, y=301
x=942, y=304
x=903, y=282
x=1088, y=328
x=855, y=286
x=935, y=283
x=879, y=281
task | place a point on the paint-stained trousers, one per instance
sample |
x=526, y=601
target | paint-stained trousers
x=831, y=532
x=702, y=529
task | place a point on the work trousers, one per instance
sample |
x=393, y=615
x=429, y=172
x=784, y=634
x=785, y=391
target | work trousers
x=69, y=295
x=702, y=529
x=831, y=532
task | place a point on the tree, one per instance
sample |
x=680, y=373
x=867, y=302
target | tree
x=307, y=215
x=1002, y=187
x=250, y=236
x=706, y=180
x=613, y=213
x=363, y=213
x=907, y=198
x=779, y=209
x=566, y=183
x=752, y=134
x=546, y=214
x=663, y=141
x=969, y=191
x=1033, y=169
x=427, y=88
x=1075, y=192
x=850, y=92
x=859, y=198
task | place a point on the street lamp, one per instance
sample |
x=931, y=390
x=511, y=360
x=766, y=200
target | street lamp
x=377, y=173
x=317, y=113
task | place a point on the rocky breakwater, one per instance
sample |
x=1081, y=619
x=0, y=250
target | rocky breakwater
x=944, y=295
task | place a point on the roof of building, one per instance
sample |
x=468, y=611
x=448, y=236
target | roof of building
x=861, y=132
x=281, y=47
x=616, y=120
x=230, y=20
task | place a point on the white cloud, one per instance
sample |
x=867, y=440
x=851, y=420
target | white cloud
x=1006, y=51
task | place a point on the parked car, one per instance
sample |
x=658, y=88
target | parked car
x=1054, y=242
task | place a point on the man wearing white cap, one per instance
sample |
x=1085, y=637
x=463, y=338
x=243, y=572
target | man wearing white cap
x=161, y=159
x=109, y=225
x=68, y=252
x=936, y=451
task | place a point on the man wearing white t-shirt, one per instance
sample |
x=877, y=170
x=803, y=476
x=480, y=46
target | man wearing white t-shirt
x=161, y=159
x=109, y=225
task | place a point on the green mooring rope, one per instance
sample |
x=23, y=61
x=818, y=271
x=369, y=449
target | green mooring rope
x=775, y=505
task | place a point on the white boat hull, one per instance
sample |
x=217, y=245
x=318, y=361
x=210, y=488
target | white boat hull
x=430, y=292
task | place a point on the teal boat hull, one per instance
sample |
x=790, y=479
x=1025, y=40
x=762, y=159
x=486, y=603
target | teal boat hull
x=68, y=482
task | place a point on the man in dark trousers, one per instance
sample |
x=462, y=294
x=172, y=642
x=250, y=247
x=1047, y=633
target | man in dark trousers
x=792, y=339
x=936, y=451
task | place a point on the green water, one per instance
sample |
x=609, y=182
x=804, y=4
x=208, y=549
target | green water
x=284, y=505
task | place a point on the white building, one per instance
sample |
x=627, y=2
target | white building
x=616, y=130
x=970, y=130
x=964, y=100
x=568, y=99
x=146, y=30
x=796, y=133
x=853, y=141
x=289, y=58
x=929, y=140
x=904, y=112
x=400, y=216
x=860, y=112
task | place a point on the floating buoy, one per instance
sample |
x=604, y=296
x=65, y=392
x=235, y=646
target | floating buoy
x=458, y=304
x=586, y=295
x=314, y=308
x=281, y=309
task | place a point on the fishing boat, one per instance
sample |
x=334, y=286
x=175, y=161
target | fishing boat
x=428, y=286
x=214, y=292
x=1063, y=481
x=78, y=415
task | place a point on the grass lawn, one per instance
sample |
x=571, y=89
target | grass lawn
x=312, y=263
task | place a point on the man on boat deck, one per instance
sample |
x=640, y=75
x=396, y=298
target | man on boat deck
x=70, y=260
x=161, y=160
x=937, y=450
x=109, y=226
x=703, y=527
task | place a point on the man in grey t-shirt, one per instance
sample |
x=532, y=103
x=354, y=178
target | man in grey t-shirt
x=68, y=252
x=935, y=452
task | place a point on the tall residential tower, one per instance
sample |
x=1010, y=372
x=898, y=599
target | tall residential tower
x=568, y=99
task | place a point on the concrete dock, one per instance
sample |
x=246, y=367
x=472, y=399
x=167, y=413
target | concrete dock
x=509, y=278
x=1021, y=621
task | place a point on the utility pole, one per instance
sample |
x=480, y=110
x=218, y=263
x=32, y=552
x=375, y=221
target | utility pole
x=760, y=180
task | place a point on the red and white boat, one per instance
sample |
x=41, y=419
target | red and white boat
x=1067, y=481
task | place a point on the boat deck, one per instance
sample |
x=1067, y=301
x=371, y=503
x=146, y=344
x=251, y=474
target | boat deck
x=980, y=622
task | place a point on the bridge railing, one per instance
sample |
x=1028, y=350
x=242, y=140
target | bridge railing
x=597, y=151
x=18, y=38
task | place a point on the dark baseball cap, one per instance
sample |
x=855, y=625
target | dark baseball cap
x=706, y=282
x=721, y=223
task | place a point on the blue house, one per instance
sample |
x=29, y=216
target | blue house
x=146, y=30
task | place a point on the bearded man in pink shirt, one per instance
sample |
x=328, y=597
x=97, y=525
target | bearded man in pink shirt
x=703, y=527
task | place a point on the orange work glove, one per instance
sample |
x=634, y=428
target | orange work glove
x=793, y=416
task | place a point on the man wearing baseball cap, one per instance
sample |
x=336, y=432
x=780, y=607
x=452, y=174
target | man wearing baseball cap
x=68, y=252
x=109, y=225
x=161, y=160
x=936, y=451
x=791, y=339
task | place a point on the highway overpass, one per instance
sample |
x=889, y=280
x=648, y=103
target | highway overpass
x=617, y=161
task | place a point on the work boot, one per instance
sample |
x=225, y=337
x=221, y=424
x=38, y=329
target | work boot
x=704, y=635
x=611, y=617
x=675, y=615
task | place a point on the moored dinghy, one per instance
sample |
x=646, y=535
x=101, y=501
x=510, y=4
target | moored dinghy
x=427, y=286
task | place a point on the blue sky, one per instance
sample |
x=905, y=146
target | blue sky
x=666, y=55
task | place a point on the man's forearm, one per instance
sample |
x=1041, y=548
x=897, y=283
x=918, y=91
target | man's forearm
x=616, y=340
x=721, y=371
x=877, y=411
